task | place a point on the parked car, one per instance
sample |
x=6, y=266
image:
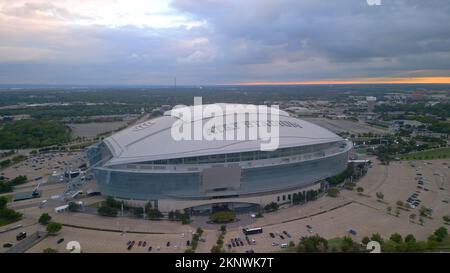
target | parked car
x=60, y=241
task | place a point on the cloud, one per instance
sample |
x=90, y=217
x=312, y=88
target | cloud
x=221, y=41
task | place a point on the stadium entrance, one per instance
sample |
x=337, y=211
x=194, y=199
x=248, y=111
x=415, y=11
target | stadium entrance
x=228, y=206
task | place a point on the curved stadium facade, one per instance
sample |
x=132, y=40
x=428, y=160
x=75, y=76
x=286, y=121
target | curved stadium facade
x=144, y=163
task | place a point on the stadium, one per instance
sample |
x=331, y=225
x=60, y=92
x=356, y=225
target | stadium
x=144, y=163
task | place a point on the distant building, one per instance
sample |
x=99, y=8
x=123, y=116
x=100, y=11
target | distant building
x=418, y=95
x=371, y=103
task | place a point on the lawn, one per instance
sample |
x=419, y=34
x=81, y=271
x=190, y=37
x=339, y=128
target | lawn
x=428, y=154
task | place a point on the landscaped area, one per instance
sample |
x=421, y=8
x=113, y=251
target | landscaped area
x=223, y=216
x=429, y=154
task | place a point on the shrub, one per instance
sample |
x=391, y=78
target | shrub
x=44, y=219
x=53, y=228
x=333, y=192
x=223, y=216
x=107, y=211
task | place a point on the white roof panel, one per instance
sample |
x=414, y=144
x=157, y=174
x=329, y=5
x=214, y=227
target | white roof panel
x=152, y=140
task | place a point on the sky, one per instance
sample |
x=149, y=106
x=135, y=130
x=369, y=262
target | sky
x=203, y=42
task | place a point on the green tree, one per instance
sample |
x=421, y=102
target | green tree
x=107, y=211
x=50, y=250
x=154, y=214
x=397, y=238
x=365, y=240
x=410, y=238
x=377, y=237
x=216, y=249
x=333, y=192
x=348, y=245
x=441, y=233
x=74, y=207
x=44, y=219
x=360, y=189
x=3, y=202
x=271, y=207
x=199, y=231
x=171, y=215
x=53, y=228
x=312, y=244
x=380, y=195
x=138, y=212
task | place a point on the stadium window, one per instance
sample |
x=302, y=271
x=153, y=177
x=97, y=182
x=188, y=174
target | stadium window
x=278, y=198
x=289, y=197
x=284, y=197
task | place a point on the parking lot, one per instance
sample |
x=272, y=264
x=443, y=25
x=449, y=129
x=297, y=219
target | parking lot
x=328, y=217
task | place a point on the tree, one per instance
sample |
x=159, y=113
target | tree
x=365, y=240
x=400, y=203
x=216, y=249
x=312, y=244
x=3, y=202
x=380, y=195
x=50, y=250
x=171, y=215
x=376, y=237
x=389, y=209
x=45, y=219
x=446, y=218
x=154, y=214
x=397, y=238
x=271, y=207
x=410, y=238
x=113, y=203
x=333, y=192
x=53, y=228
x=348, y=245
x=360, y=190
x=74, y=207
x=107, y=211
x=441, y=233
x=397, y=212
x=138, y=212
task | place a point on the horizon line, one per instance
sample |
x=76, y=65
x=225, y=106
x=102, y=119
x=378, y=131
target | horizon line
x=392, y=80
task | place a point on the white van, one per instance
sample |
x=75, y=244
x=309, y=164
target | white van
x=284, y=245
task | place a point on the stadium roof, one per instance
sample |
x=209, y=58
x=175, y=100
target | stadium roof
x=152, y=139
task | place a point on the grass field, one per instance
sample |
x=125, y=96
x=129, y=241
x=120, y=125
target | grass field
x=428, y=154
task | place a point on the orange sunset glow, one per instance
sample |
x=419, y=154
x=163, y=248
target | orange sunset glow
x=414, y=80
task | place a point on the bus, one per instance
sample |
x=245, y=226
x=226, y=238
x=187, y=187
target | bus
x=250, y=231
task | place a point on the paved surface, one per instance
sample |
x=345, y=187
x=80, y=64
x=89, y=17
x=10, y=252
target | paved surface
x=28, y=242
x=329, y=217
